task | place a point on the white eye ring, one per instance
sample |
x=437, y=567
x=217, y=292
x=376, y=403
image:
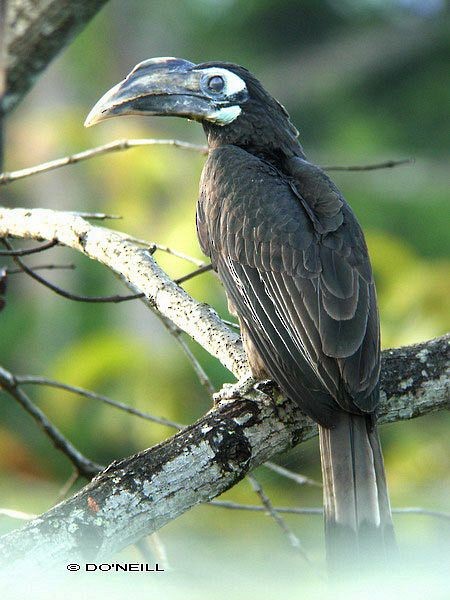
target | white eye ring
x=233, y=83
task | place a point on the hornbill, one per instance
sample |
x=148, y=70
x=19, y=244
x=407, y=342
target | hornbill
x=294, y=263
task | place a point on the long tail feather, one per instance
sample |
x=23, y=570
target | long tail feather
x=358, y=523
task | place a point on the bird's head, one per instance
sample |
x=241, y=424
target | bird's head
x=228, y=100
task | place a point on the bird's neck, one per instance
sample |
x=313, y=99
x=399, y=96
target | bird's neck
x=275, y=140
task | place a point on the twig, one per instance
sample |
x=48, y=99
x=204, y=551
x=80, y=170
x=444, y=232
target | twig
x=84, y=466
x=28, y=379
x=267, y=504
x=388, y=164
x=231, y=324
x=17, y=514
x=126, y=144
x=300, y=479
x=76, y=297
x=51, y=286
x=25, y=252
x=49, y=267
x=117, y=145
x=319, y=511
x=256, y=508
x=154, y=246
x=416, y=510
x=198, y=271
x=198, y=369
x=200, y=372
x=95, y=216
x=67, y=486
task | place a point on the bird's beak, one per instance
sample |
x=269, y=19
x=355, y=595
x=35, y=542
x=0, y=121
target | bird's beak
x=159, y=86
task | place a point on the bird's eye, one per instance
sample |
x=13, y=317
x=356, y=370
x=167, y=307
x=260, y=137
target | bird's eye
x=216, y=83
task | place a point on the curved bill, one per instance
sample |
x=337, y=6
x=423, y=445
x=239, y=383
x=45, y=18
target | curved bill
x=159, y=86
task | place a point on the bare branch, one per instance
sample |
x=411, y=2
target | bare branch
x=126, y=144
x=58, y=290
x=17, y=514
x=178, y=254
x=35, y=32
x=115, y=299
x=25, y=252
x=49, y=267
x=139, y=271
x=300, y=479
x=267, y=504
x=95, y=216
x=159, y=550
x=153, y=246
x=84, y=466
x=67, y=486
x=231, y=324
x=292, y=510
x=289, y=510
x=193, y=274
x=205, y=459
x=29, y=379
x=388, y=164
x=117, y=145
x=199, y=370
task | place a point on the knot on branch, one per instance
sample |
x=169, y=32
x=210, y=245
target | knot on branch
x=227, y=435
x=231, y=448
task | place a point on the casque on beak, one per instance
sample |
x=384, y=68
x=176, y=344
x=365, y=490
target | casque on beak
x=159, y=86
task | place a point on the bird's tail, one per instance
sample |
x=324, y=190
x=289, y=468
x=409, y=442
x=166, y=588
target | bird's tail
x=358, y=523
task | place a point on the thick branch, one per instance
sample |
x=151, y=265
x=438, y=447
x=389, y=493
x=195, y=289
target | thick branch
x=138, y=269
x=138, y=495
x=36, y=30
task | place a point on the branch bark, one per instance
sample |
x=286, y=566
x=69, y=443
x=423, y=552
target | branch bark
x=138, y=269
x=140, y=494
x=36, y=30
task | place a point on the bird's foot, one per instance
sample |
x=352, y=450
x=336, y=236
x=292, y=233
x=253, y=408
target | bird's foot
x=244, y=387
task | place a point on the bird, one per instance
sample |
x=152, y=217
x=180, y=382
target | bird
x=294, y=263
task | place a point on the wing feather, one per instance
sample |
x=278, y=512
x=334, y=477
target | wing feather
x=294, y=262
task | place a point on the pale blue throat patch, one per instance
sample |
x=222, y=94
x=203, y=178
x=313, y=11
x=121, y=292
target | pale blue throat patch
x=226, y=115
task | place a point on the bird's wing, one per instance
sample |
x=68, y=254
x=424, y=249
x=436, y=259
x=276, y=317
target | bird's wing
x=306, y=297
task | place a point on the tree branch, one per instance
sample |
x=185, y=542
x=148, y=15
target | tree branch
x=36, y=30
x=27, y=251
x=140, y=494
x=115, y=146
x=83, y=465
x=74, y=389
x=138, y=269
x=126, y=144
x=293, y=510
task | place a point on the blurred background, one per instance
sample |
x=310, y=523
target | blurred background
x=364, y=81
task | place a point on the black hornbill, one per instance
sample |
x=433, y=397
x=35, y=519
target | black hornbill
x=294, y=263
